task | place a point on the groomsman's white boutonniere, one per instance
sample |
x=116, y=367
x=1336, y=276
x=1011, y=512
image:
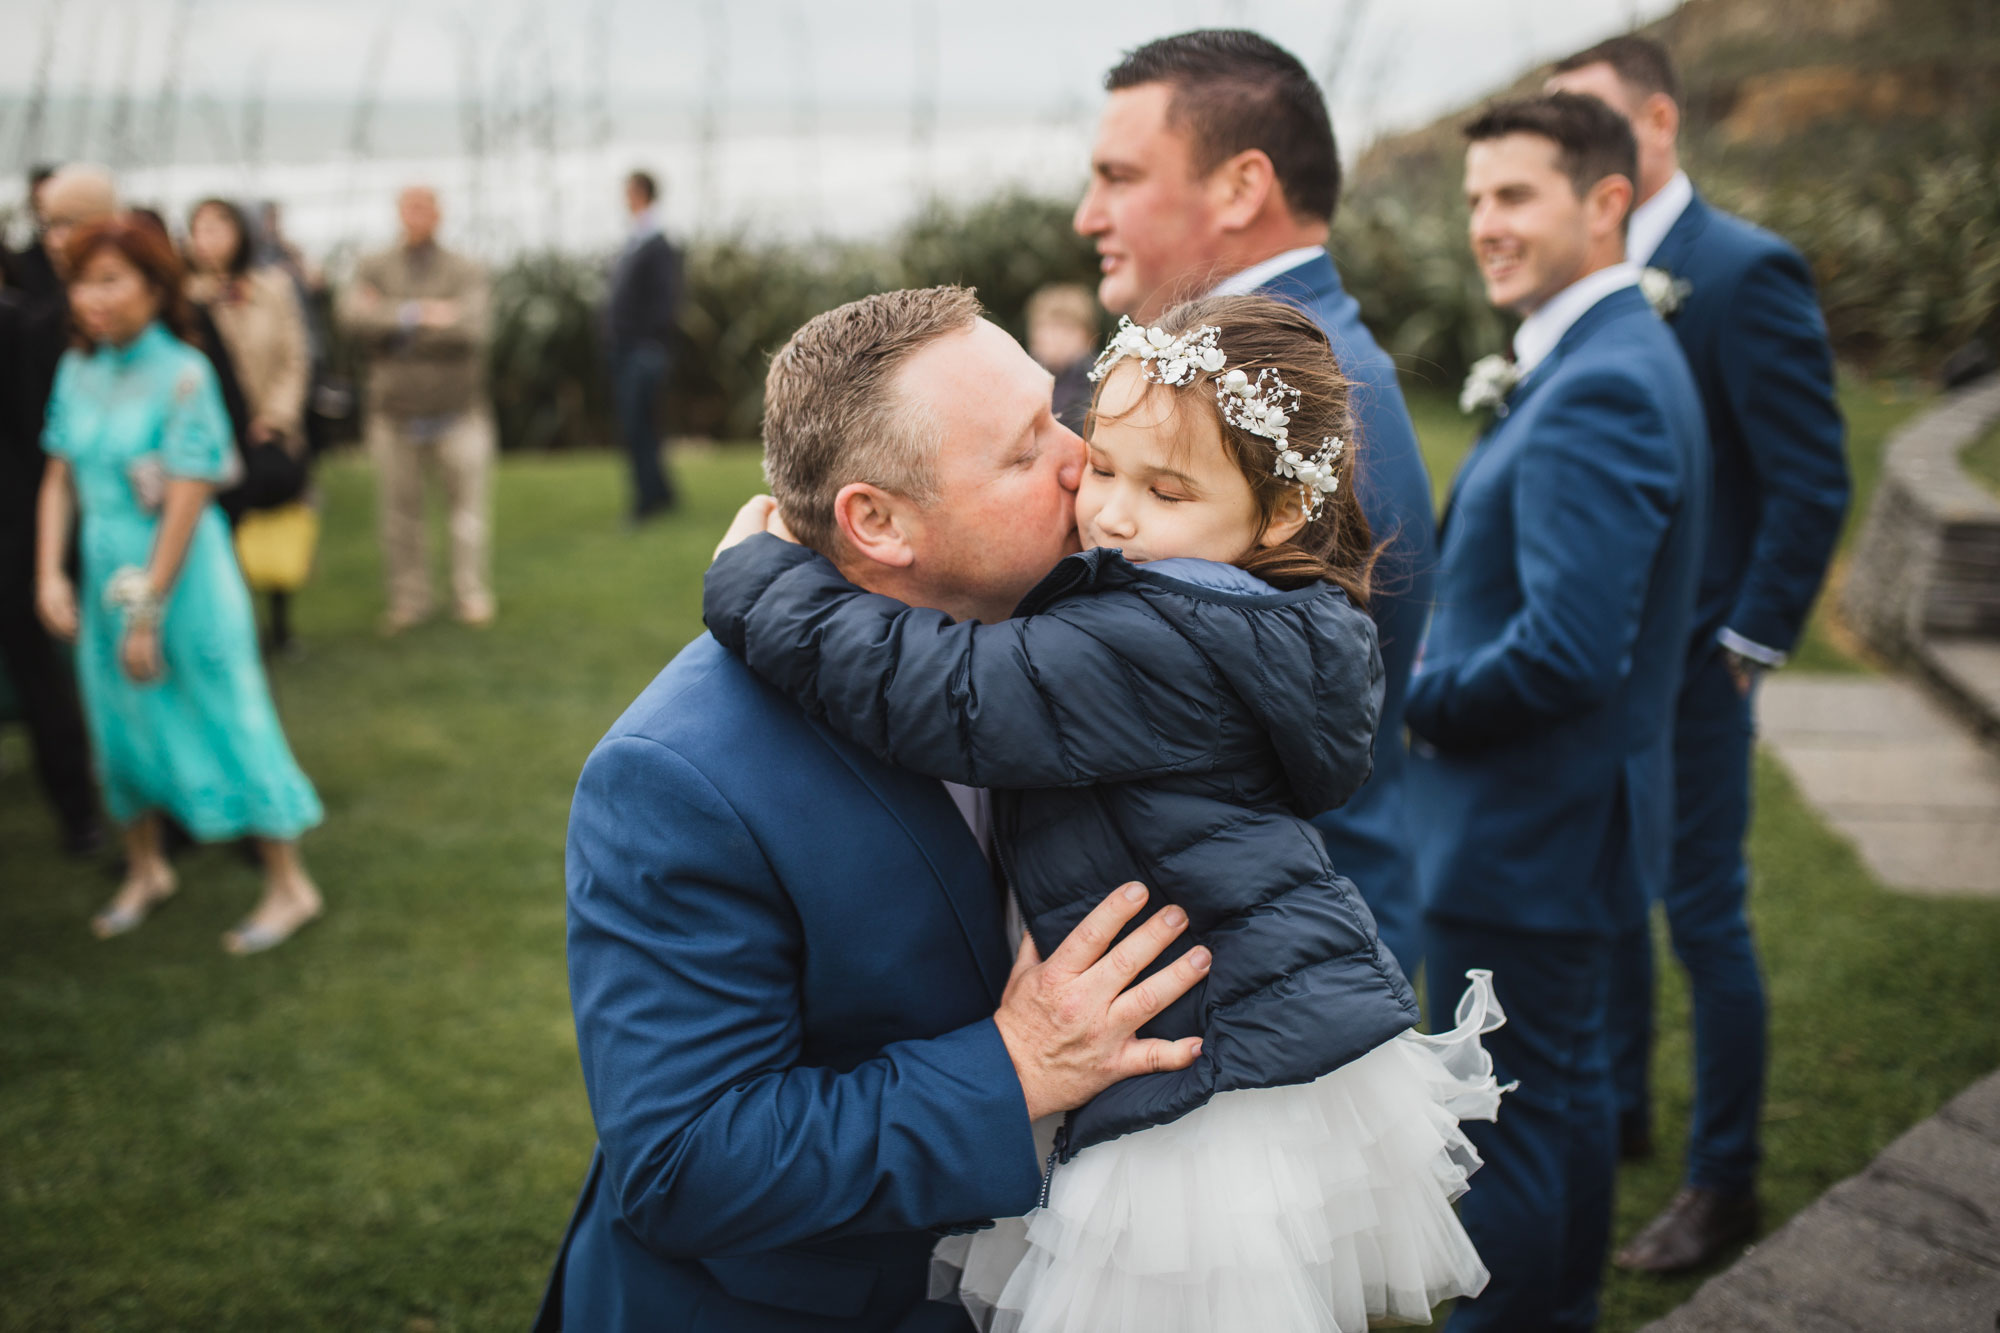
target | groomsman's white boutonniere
x=1663, y=291
x=1486, y=388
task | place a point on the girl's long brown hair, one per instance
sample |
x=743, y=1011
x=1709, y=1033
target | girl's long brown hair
x=1258, y=332
x=145, y=245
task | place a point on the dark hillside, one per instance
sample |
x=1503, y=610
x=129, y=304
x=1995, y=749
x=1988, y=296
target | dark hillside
x=1866, y=131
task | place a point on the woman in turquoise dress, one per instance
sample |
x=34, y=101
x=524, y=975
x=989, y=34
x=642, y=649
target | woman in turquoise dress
x=180, y=716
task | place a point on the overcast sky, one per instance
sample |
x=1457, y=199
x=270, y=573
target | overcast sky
x=1405, y=60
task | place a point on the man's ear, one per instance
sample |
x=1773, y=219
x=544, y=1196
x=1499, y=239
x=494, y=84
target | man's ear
x=1608, y=204
x=1241, y=187
x=1288, y=522
x=872, y=524
x=1662, y=115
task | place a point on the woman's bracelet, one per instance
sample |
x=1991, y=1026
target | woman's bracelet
x=131, y=591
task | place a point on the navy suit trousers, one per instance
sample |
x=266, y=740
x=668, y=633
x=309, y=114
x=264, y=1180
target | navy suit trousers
x=1708, y=920
x=1539, y=1210
x=635, y=386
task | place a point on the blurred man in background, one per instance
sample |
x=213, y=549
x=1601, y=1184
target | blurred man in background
x=419, y=312
x=1215, y=171
x=641, y=318
x=34, y=333
x=1063, y=337
x=1741, y=302
x=31, y=269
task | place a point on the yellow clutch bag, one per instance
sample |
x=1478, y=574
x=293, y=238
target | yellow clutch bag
x=275, y=546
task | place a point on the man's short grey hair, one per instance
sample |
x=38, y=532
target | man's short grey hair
x=832, y=413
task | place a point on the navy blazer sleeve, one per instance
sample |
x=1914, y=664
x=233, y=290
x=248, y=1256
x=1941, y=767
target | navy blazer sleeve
x=1591, y=504
x=1777, y=372
x=683, y=958
x=1076, y=695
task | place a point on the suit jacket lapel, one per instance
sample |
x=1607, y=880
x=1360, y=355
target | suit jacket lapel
x=924, y=810
x=1678, y=243
x=1518, y=396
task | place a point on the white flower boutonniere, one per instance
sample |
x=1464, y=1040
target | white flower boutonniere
x=1663, y=291
x=1486, y=388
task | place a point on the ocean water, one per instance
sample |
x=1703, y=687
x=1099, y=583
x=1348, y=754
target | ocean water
x=859, y=177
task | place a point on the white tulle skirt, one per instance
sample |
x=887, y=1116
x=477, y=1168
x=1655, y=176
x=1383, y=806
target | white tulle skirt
x=1324, y=1207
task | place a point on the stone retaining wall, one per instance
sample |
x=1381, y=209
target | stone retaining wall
x=1928, y=562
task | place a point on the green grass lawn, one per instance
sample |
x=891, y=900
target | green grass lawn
x=381, y=1126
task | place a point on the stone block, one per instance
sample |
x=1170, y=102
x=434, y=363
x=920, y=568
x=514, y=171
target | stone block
x=1831, y=1270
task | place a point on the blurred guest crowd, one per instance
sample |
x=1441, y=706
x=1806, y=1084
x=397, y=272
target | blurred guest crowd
x=162, y=401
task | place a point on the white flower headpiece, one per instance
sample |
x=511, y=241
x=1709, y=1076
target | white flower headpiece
x=1262, y=406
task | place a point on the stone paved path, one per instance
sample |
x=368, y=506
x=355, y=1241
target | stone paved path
x=1969, y=671
x=1912, y=1243
x=1895, y=773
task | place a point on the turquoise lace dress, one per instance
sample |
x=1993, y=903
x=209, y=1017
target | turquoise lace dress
x=202, y=743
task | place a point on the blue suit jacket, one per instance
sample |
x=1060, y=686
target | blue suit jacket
x=1756, y=341
x=783, y=959
x=1571, y=553
x=1368, y=839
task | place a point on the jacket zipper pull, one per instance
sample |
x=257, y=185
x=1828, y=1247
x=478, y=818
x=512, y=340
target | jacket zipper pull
x=1055, y=1154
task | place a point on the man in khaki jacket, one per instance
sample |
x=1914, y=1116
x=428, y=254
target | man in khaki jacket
x=421, y=313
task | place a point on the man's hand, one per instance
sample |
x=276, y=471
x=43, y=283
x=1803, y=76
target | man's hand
x=1743, y=671
x=437, y=314
x=1068, y=1024
x=758, y=514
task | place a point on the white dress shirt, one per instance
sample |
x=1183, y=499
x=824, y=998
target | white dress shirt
x=1540, y=332
x=975, y=805
x=1652, y=220
x=1250, y=279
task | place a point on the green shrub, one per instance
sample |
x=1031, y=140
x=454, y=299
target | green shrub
x=743, y=299
x=1907, y=257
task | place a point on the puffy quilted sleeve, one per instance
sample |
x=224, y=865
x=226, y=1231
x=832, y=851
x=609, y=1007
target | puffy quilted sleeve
x=1097, y=689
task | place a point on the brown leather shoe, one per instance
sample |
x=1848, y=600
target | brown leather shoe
x=1698, y=1226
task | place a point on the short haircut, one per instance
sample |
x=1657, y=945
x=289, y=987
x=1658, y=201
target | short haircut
x=832, y=416
x=1235, y=90
x=1067, y=302
x=643, y=182
x=1592, y=141
x=1640, y=63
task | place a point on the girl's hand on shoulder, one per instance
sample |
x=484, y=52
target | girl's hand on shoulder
x=758, y=514
x=139, y=654
x=55, y=603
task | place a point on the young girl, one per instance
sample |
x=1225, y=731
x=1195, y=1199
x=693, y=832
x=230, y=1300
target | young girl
x=1171, y=705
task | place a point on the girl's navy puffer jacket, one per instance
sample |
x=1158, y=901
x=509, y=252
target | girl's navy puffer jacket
x=1131, y=727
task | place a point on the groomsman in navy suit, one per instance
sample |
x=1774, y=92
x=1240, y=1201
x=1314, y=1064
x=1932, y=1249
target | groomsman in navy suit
x=1742, y=304
x=1541, y=771
x=1215, y=171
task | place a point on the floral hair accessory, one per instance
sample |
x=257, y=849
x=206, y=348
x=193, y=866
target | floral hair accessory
x=1262, y=406
x=1163, y=358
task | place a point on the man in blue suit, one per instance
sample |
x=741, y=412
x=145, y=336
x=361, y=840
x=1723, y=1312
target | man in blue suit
x=1745, y=313
x=1215, y=171
x=805, y=1053
x=1542, y=773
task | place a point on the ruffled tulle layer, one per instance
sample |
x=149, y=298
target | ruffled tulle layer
x=1323, y=1207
